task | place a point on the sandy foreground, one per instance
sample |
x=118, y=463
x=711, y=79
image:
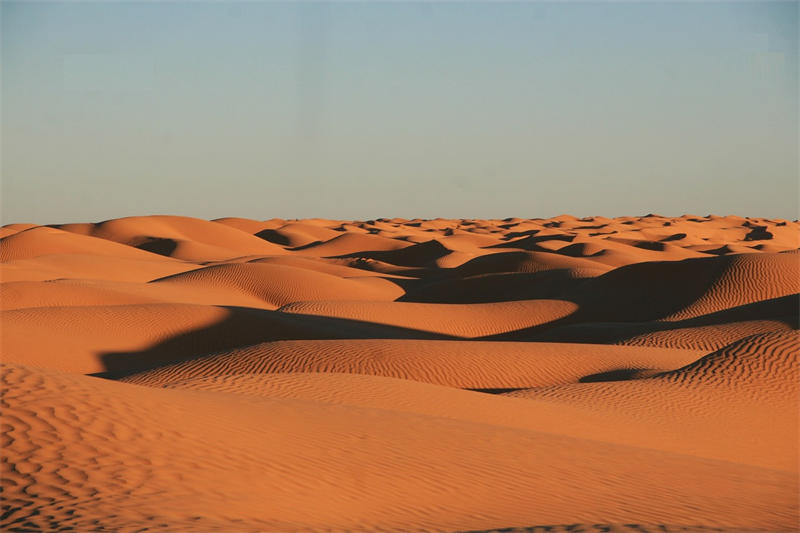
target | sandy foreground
x=633, y=374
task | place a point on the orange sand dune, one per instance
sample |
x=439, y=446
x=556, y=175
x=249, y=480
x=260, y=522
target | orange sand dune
x=349, y=243
x=40, y=240
x=180, y=237
x=687, y=289
x=564, y=374
x=496, y=287
x=725, y=438
x=469, y=321
x=745, y=394
x=296, y=234
x=118, y=338
x=280, y=285
x=530, y=262
x=462, y=364
x=327, y=266
x=612, y=252
x=209, y=461
x=10, y=229
x=90, y=267
x=707, y=332
x=248, y=225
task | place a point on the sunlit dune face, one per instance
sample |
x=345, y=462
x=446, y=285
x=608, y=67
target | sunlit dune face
x=596, y=374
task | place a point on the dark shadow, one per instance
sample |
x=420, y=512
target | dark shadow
x=602, y=528
x=273, y=236
x=309, y=245
x=417, y=255
x=158, y=245
x=621, y=374
x=598, y=226
x=487, y=288
x=651, y=245
x=371, y=265
x=785, y=310
x=758, y=233
x=518, y=234
x=246, y=326
x=615, y=306
x=722, y=250
x=622, y=304
x=502, y=262
x=530, y=243
x=646, y=291
x=578, y=249
x=675, y=237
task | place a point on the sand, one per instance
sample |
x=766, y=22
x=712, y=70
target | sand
x=166, y=373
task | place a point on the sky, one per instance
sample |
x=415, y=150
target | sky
x=353, y=110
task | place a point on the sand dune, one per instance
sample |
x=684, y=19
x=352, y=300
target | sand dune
x=185, y=238
x=530, y=262
x=691, y=288
x=39, y=241
x=467, y=321
x=562, y=374
x=248, y=225
x=296, y=234
x=90, y=267
x=211, y=461
x=710, y=332
x=327, y=266
x=745, y=395
x=280, y=285
x=350, y=243
x=121, y=338
x=462, y=364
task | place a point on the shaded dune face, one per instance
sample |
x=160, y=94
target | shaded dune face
x=174, y=374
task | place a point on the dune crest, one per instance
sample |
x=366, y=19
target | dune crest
x=168, y=373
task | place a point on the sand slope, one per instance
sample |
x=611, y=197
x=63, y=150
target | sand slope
x=462, y=364
x=563, y=374
x=121, y=456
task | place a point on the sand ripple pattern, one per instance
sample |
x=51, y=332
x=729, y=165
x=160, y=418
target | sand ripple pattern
x=616, y=375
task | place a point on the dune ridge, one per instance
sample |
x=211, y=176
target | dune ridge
x=167, y=373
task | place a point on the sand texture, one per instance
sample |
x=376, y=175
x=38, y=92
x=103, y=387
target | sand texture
x=635, y=374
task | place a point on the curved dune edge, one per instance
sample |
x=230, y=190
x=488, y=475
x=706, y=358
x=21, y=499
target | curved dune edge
x=162, y=458
x=724, y=438
x=122, y=339
x=461, y=364
x=468, y=321
x=752, y=384
x=285, y=284
x=579, y=374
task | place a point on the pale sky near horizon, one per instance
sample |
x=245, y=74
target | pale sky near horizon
x=367, y=110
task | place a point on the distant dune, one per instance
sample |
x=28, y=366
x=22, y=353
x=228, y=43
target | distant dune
x=166, y=373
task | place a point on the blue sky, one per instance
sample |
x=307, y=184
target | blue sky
x=364, y=110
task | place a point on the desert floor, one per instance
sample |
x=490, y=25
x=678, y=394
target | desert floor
x=174, y=374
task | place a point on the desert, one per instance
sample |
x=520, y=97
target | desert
x=593, y=374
